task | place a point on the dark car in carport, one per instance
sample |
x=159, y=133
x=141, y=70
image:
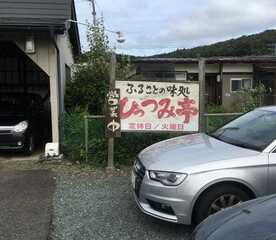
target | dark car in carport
x=21, y=121
x=252, y=220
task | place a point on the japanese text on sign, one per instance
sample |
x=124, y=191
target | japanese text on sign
x=113, y=126
x=159, y=106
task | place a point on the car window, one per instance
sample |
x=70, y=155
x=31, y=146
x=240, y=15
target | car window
x=254, y=130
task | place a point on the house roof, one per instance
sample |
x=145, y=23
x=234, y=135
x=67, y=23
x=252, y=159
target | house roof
x=210, y=60
x=34, y=12
x=40, y=15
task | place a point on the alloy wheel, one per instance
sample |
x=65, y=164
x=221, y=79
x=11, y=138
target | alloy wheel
x=224, y=201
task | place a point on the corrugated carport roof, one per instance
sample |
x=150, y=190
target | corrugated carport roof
x=35, y=13
x=40, y=15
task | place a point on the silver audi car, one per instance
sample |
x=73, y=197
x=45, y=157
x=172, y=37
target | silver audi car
x=188, y=178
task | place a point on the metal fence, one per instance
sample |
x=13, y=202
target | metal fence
x=216, y=120
x=94, y=127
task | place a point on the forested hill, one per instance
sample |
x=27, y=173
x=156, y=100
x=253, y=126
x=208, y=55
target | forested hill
x=257, y=44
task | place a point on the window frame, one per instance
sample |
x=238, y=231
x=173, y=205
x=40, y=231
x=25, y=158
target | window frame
x=184, y=74
x=240, y=79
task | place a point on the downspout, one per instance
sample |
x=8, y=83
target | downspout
x=52, y=35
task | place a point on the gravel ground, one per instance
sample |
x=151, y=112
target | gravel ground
x=100, y=206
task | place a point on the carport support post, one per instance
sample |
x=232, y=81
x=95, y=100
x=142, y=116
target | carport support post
x=202, y=98
x=110, y=163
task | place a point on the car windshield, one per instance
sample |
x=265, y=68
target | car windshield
x=254, y=130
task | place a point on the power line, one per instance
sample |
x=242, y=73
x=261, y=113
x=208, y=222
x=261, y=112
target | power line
x=120, y=36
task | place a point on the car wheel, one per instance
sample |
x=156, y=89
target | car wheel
x=30, y=146
x=217, y=199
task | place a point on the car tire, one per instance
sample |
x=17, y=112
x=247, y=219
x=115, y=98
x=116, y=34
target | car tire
x=218, y=198
x=29, y=149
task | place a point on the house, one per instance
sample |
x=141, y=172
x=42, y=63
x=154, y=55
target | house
x=38, y=46
x=225, y=76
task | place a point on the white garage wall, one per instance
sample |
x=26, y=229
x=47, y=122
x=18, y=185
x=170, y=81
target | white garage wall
x=66, y=58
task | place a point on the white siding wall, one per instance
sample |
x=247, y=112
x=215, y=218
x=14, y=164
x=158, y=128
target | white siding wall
x=238, y=68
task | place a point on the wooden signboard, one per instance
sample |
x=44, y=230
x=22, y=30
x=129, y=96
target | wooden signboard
x=113, y=124
x=159, y=106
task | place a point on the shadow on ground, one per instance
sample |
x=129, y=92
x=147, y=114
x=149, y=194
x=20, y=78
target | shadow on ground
x=19, y=156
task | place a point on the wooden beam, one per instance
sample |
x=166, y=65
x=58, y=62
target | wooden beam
x=202, y=91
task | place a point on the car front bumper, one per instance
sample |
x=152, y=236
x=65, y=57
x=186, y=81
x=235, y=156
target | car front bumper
x=162, y=202
x=12, y=141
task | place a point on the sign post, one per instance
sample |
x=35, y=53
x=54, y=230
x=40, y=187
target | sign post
x=110, y=162
x=113, y=124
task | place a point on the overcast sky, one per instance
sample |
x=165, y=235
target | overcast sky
x=155, y=26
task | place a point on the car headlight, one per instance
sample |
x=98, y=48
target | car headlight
x=21, y=127
x=168, y=178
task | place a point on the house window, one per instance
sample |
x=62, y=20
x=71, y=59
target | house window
x=181, y=76
x=238, y=84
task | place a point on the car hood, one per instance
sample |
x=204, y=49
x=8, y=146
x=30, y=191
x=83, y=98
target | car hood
x=252, y=220
x=188, y=151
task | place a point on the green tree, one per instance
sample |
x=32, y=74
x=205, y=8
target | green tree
x=248, y=99
x=251, y=45
x=86, y=95
x=90, y=81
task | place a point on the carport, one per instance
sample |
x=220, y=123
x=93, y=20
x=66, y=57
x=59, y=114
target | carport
x=38, y=47
x=20, y=78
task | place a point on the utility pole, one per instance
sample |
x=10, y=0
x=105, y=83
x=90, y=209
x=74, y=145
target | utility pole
x=94, y=12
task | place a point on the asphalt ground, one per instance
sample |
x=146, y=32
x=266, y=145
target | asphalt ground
x=25, y=204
